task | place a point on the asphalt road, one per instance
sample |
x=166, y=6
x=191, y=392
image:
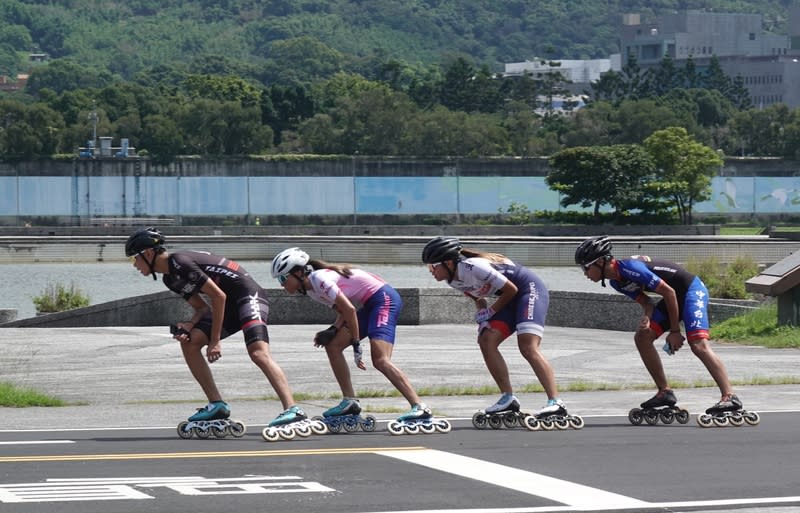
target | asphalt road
x=115, y=448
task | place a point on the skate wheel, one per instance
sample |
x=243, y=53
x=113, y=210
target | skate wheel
x=202, y=433
x=335, y=427
x=412, y=429
x=395, y=428
x=736, y=419
x=532, y=423
x=350, y=425
x=576, y=422
x=183, y=432
x=495, y=421
x=219, y=432
x=682, y=416
x=319, y=427
x=270, y=434
x=704, y=421
x=562, y=423
x=720, y=421
x=287, y=433
x=752, y=418
x=237, y=429
x=479, y=420
x=651, y=417
x=318, y=418
x=635, y=416
x=667, y=417
x=428, y=429
x=443, y=426
x=547, y=424
x=303, y=431
x=369, y=423
x=510, y=420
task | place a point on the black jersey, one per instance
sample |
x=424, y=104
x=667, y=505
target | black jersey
x=189, y=271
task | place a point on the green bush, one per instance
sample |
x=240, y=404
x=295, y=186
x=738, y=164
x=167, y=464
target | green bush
x=725, y=282
x=58, y=298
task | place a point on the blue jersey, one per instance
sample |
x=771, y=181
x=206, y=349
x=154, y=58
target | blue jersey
x=643, y=274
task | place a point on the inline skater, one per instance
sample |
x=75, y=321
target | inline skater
x=365, y=305
x=684, y=297
x=521, y=301
x=237, y=303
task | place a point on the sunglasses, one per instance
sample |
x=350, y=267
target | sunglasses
x=432, y=267
x=282, y=279
x=588, y=266
x=132, y=258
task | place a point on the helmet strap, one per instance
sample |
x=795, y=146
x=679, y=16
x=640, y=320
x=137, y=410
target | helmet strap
x=603, y=272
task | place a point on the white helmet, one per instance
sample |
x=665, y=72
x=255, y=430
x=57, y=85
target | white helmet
x=287, y=260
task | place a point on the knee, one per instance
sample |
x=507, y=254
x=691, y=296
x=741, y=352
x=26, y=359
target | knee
x=381, y=363
x=258, y=355
x=643, y=338
x=700, y=348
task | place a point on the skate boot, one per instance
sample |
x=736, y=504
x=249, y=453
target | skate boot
x=418, y=420
x=728, y=411
x=659, y=407
x=553, y=416
x=346, y=415
x=212, y=419
x=290, y=423
x=505, y=412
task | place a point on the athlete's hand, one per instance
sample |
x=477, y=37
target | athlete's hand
x=675, y=341
x=358, y=355
x=482, y=326
x=484, y=314
x=213, y=351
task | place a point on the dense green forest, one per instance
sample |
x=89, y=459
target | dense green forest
x=373, y=77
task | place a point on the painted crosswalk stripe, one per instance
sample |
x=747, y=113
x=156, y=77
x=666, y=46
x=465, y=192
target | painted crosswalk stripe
x=565, y=492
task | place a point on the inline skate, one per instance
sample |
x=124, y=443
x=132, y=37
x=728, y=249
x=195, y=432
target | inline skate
x=418, y=420
x=659, y=407
x=728, y=412
x=211, y=420
x=346, y=415
x=292, y=422
x=553, y=416
x=505, y=412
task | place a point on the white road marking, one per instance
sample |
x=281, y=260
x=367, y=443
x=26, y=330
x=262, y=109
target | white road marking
x=37, y=442
x=565, y=492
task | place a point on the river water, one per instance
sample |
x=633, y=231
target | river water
x=110, y=281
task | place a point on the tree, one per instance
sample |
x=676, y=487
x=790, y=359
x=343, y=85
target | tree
x=617, y=176
x=684, y=168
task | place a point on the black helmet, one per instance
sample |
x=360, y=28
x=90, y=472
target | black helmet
x=441, y=249
x=144, y=239
x=592, y=249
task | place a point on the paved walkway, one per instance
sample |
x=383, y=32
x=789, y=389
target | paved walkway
x=137, y=377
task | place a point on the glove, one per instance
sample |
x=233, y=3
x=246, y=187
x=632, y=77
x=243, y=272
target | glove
x=358, y=354
x=482, y=326
x=484, y=314
x=324, y=337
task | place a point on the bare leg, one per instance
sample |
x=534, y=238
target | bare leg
x=529, y=346
x=702, y=350
x=381, y=352
x=339, y=366
x=489, y=341
x=260, y=355
x=652, y=361
x=198, y=365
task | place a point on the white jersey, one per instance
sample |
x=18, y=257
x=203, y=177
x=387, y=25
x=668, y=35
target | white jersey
x=326, y=284
x=478, y=278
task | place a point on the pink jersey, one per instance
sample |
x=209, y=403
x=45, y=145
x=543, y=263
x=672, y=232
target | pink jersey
x=326, y=284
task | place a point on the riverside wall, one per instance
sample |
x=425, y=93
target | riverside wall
x=420, y=306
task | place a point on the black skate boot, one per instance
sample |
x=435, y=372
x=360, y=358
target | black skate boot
x=662, y=398
x=732, y=403
x=728, y=412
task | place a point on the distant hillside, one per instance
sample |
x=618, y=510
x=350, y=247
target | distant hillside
x=287, y=40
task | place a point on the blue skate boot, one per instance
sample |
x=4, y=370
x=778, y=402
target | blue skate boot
x=504, y=412
x=290, y=423
x=346, y=415
x=418, y=420
x=212, y=419
x=659, y=407
x=728, y=411
x=553, y=416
